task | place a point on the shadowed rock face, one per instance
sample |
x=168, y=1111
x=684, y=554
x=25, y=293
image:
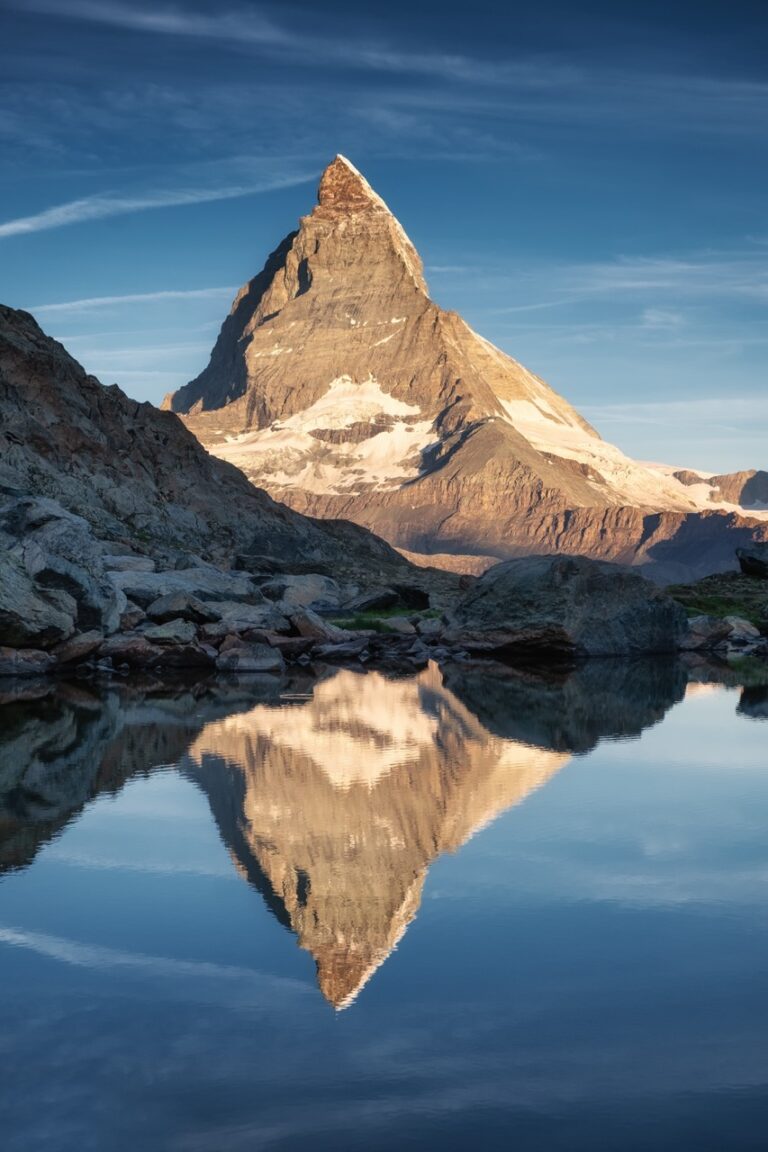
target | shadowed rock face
x=334, y=805
x=469, y=453
x=140, y=478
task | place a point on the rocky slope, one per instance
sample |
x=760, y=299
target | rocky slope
x=341, y=387
x=143, y=482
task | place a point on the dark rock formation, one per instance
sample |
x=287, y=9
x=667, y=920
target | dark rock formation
x=566, y=607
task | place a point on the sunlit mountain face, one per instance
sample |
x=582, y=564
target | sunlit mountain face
x=333, y=793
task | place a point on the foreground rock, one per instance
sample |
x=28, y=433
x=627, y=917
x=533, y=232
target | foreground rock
x=753, y=560
x=567, y=606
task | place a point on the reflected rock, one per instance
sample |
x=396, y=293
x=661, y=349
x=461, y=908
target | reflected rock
x=754, y=703
x=573, y=710
x=62, y=745
x=335, y=808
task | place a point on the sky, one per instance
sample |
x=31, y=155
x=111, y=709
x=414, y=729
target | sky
x=586, y=184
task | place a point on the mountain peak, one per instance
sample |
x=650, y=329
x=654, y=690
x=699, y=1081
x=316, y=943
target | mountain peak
x=343, y=187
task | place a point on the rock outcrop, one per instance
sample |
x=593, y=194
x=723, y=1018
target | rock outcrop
x=341, y=387
x=540, y=606
x=145, y=485
x=753, y=560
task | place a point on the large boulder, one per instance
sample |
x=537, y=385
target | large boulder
x=61, y=555
x=29, y=616
x=207, y=584
x=753, y=560
x=565, y=606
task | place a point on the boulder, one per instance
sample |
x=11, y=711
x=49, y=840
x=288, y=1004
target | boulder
x=187, y=656
x=25, y=662
x=29, y=616
x=741, y=629
x=310, y=591
x=238, y=618
x=78, y=647
x=129, y=563
x=172, y=632
x=349, y=650
x=401, y=625
x=132, y=649
x=183, y=606
x=374, y=599
x=208, y=584
x=131, y=617
x=566, y=606
x=250, y=658
x=705, y=632
x=430, y=629
x=308, y=623
x=753, y=560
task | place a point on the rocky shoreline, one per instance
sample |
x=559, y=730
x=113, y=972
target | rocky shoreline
x=71, y=603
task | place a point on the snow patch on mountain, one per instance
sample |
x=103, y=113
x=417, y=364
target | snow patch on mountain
x=291, y=456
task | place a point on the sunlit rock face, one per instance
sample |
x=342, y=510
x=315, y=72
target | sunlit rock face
x=342, y=802
x=338, y=385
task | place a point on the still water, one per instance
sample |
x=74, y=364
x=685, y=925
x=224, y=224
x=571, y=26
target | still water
x=469, y=909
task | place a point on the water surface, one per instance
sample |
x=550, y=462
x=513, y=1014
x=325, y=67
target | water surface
x=472, y=908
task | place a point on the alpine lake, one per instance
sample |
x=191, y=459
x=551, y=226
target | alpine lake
x=474, y=907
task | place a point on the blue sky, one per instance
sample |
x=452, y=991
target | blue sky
x=586, y=184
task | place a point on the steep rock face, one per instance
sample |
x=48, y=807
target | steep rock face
x=339, y=385
x=141, y=479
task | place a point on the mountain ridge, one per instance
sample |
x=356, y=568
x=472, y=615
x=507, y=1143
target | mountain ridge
x=340, y=386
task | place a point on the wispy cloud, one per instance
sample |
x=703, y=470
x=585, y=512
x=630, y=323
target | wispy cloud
x=103, y=206
x=242, y=27
x=89, y=303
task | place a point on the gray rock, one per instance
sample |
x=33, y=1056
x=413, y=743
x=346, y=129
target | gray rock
x=741, y=629
x=131, y=649
x=250, y=658
x=184, y=606
x=129, y=563
x=308, y=623
x=30, y=617
x=705, y=632
x=307, y=591
x=372, y=600
x=345, y=651
x=131, y=617
x=208, y=584
x=25, y=662
x=401, y=625
x=569, y=606
x=430, y=629
x=753, y=560
x=171, y=632
x=78, y=647
x=237, y=618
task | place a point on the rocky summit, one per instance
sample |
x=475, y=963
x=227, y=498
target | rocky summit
x=338, y=385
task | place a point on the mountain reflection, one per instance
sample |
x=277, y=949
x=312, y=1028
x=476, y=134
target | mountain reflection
x=334, y=799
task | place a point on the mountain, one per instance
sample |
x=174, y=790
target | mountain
x=141, y=479
x=342, y=388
